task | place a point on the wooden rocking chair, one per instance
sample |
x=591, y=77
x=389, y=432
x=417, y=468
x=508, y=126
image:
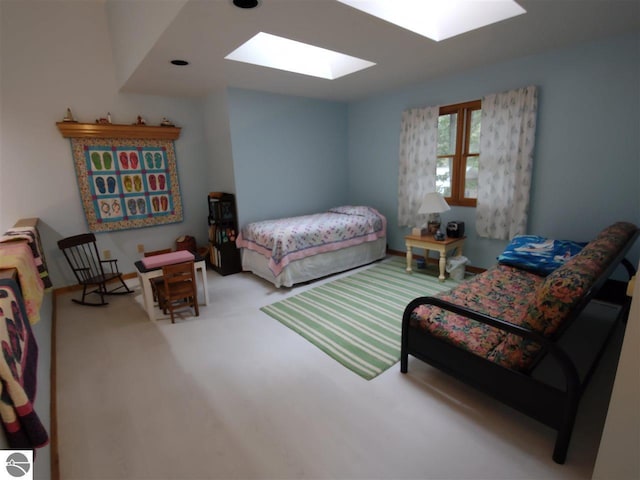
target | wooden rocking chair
x=82, y=254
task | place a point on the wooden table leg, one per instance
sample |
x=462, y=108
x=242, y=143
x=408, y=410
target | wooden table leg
x=443, y=261
x=202, y=267
x=409, y=258
x=147, y=294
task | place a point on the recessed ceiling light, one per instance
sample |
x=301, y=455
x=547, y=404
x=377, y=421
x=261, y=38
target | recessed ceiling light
x=245, y=3
x=180, y=63
x=439, y=19
x=272, y=51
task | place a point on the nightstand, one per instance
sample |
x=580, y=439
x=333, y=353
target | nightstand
x=429, y=243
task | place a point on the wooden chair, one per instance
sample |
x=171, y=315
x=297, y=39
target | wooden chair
x=178, y=289
x=157, y=280
x=90, y=270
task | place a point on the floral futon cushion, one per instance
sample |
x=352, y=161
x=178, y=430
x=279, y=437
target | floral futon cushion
x=522, y=298
x=502, y=292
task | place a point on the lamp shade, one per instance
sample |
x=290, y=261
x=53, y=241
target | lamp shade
x=433, y=202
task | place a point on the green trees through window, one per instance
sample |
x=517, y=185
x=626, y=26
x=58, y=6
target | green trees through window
x=458, y=152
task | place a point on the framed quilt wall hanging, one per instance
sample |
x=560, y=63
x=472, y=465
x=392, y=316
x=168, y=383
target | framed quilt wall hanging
x=126, y=175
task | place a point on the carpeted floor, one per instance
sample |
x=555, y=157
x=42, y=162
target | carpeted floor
x=234, y=394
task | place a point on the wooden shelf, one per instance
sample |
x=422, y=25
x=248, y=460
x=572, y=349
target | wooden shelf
x=99, y=130
x=26, y=222
x=223, y=229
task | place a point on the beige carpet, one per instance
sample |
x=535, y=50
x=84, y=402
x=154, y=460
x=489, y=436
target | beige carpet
x=235, y=394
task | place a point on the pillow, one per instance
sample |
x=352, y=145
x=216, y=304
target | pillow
x=352, y=210
x=538, y=254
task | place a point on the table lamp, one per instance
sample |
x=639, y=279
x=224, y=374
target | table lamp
x=433, y=204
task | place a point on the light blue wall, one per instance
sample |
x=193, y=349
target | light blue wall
x=289, y=154
x=219, y=173
x=587, y=158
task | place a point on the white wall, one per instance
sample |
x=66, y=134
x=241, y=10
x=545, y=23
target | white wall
x=135, y=27
x=618, y=456
x=54, y=55
x=57, y=55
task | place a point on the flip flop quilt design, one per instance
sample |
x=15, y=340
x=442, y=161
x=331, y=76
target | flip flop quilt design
x=127, y=183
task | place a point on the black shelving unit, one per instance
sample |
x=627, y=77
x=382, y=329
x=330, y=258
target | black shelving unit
x=223, y=229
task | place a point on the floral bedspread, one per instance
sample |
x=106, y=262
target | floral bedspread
x=285, y=240
x=514, y=295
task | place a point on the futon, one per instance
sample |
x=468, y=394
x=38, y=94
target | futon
x=494, y=330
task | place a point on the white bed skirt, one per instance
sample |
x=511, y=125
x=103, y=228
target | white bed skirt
x=316, y=266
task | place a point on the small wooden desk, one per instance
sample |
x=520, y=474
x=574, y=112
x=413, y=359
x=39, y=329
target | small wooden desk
x=144, y=275
x=429, y=243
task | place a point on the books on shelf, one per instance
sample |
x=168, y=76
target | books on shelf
x=224, y=255
x=214, y=256
x=221, y=234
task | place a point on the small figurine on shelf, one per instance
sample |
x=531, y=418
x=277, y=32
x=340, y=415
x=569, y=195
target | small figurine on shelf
x=165, y=122
x=68, y=117
x=109, y=117
x=140, y=121
x=103, y=121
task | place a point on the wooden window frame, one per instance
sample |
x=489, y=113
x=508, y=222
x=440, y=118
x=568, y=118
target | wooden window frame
x=461, y=154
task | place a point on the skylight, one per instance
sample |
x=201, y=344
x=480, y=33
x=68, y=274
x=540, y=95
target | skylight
x=439, y=19
x=272, y=51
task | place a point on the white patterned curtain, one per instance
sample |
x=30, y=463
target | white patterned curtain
x=506, y=161
x=418, y=150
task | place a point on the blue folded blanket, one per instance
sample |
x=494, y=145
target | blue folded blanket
x=538, y=254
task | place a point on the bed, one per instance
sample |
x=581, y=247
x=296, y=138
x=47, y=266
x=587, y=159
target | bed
x=299, y=249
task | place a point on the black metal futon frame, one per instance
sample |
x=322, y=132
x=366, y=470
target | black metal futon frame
x=554, y=407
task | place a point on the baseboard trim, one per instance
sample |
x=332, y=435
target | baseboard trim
x=73, y=288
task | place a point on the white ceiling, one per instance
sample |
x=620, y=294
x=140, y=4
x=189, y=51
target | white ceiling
x=204, y=31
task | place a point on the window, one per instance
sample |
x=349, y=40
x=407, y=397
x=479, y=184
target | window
x=458, y=152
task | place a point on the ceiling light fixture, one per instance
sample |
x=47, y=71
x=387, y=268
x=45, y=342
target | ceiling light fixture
x=245, y=3
x=180, y=63
x=281, y=53
x=439, y=19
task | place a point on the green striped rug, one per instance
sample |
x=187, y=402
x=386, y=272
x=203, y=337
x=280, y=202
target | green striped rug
x=357, y=320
